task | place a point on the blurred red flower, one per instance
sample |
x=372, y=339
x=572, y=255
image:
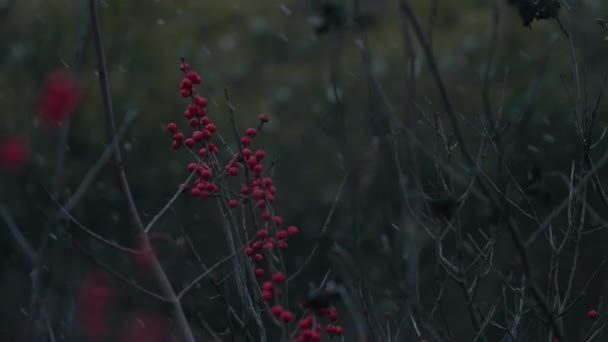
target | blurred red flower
x=14, y=153
x=94, y=297
x=60, y=98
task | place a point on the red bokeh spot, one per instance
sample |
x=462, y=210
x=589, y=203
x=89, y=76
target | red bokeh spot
x=94, y=297
x=14, y=153
x=60, y=98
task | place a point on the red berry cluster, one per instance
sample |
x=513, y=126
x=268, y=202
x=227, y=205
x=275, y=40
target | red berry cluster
x=258, y=191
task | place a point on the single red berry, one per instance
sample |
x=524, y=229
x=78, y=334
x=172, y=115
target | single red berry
x=283, y=245
x=205, y=121
x=178, y=136
x=202, y=152
x=259, y=272
x=258, y=193
x=265, y=216
x=277, y=310
x=260, y=154
x=262, y=233
x=247, y=152
x=233, y=203
x=195, y=192
x=197, y=135
x=186, y=83
x=249, y=251
x=258, y=258
x=287, y=316
x=14, y=153
x=267, y=296
x=261, y=204
x=316, y=337
x=592, y=314
x=278, y=277
x=281, y=235
x=264, y=118
x=268, y=246
x=211, y=127
x=258, y=168
x=338, y=330
x=189, y=142
x=206, y=134
x=333, y=315
x=292, y=230
x=268, y=286
x=257, y=245
x=201, y=101
x=250, y=132
x=330, y=328
x=233, y=171
x=246, y=141
x=191, y=167
x=267, y=181
x=176, y=145
x=244, y=191
x=185, y=93
x=278, y=220
x=206, y=174
x=171, y=127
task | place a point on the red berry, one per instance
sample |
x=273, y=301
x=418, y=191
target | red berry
x=189, y=142
x=178, y=136
x=258, y=258
x=592, y=314
x=267, y=181
x=258, y=168
x=195, y=192
x=205, y=121
x=233, y=203
x=265, y=216
x=171, y=127
x=287, y=316
x=194, y=77
x=185, y=93
x=330, y=328
x=250, y=132
x=283, y=245
x=233, y=171
x=260, y=154
x=268, y=246
x=186, y=83
x=338, y=330
x=264, y=118
x=206, y=134
x=316, y=337
x=197, y=135
x=262, y=233
x=211, y=127
x=206, y=174
x=247, y=152
x=333, y=315
x=201, y=101
x=281, y=235
x=184, y=67
x=292, y=230
x=278, y=278
x=202, y=152
x=191, y=167
x=259, y=272
x=244, y=191
x=277, y=310
x=268, y=286
x=278, y=220
x=261, y=204
x=249, y=251
x=176, y=145
x=246, y=141
x=257, y=245
x=266, y=295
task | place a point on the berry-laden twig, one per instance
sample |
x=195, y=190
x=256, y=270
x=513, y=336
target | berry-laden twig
x=240, y=181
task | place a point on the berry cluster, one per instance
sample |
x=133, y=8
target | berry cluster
x=257, y=191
